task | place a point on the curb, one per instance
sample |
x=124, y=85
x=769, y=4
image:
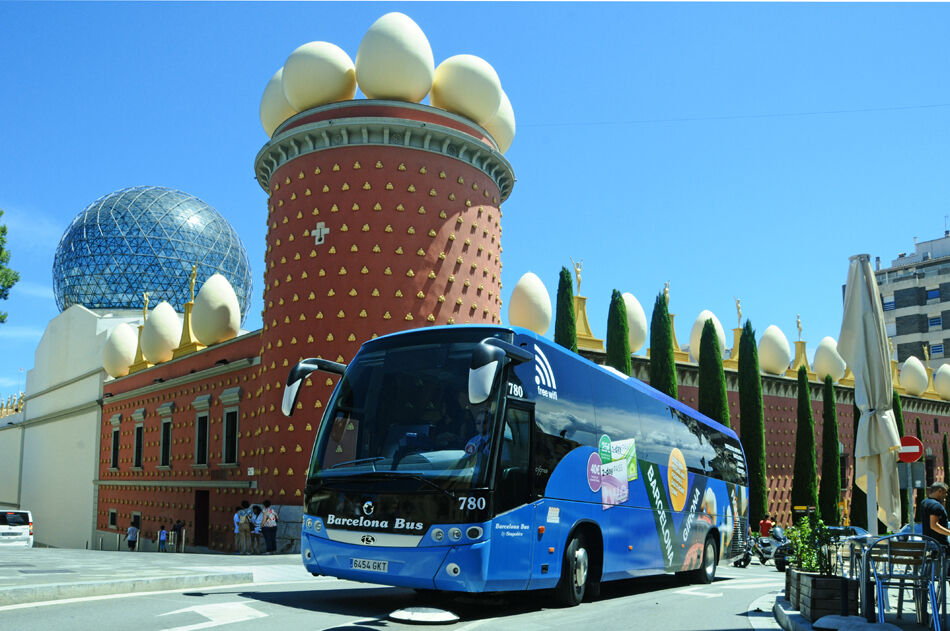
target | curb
x=788, y=618
x=40, y=593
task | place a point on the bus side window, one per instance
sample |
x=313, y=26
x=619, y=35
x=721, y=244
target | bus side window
x=514, y=463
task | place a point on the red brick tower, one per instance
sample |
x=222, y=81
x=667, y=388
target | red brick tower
x=382, y=216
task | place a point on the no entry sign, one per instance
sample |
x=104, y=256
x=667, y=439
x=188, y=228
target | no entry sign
x=911, y=449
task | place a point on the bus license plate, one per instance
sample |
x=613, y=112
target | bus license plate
x=369, y=565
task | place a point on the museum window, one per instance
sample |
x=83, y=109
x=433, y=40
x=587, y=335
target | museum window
x=115, y=448
x=165, y=413
x=935, y=323
x=113, y=518
x=139, y=440
x=201, y=440
x=936, y=350
x=202, y=405
x=231, y=432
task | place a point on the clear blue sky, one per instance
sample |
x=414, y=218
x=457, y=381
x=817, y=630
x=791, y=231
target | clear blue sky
x=733, y=149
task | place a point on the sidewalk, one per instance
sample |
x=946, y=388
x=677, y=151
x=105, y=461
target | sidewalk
x=791, y=620
x=38, y=574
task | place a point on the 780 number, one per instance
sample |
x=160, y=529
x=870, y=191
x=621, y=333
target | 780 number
x=471, y=503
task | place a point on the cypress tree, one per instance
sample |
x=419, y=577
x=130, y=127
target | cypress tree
x=805, y=482
x=829, y=491
x=565, y=320
x=713, y=401
x=752, y=423
x=899, y=421
x=618, y=335
x=662, y=363
x=859, y=499
x=946, y=458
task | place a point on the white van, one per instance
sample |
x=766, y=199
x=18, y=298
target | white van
x=16, y=528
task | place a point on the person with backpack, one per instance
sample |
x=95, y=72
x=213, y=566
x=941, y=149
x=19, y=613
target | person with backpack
x=242, y=528
x=162, y=539
x=269, y=528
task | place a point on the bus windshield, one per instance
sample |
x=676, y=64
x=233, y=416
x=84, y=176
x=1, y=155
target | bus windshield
x=403, y=411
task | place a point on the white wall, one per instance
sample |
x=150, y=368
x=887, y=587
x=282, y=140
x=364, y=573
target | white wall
x=10, y=465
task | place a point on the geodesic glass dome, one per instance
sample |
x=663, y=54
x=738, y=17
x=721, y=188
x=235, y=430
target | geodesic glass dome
x=146, y=238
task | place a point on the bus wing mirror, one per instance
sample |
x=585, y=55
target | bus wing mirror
x=487, y=359
x=300, y=372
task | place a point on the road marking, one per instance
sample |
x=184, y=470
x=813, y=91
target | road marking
x=218, y=614
x=692, y=591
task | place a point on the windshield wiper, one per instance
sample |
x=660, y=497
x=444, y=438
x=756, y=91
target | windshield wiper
x=347, y=463
x=389, y=475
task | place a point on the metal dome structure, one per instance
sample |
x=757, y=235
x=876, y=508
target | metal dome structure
x=146, y=238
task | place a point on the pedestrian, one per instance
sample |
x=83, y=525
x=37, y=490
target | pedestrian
x=238, y=513
x=177, y=544
x=933, y=514
x=257, y=523
x=132, y=536
x=269, y=528
x=162, y=539
x=765, y=526
x=244, y=527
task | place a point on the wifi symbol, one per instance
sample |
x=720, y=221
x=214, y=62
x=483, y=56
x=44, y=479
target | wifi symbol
x=544, y=376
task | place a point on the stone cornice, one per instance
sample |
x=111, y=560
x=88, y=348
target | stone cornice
x=382, y=131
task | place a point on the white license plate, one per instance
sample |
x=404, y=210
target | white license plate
x=369, y=565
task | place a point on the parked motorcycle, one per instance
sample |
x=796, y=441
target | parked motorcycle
x=765, y=548
x=746, y=558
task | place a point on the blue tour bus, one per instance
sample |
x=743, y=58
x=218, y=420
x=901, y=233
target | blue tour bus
x=486, y=458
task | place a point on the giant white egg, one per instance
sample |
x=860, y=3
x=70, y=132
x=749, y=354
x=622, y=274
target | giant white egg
x=216, y=316
x=696, y=334
x=274, y=106
x=530, y=304
x=774, y=351
x=501, y=125
x=942, y=382
x=119, y=351
x=394, y=60
x=913, y=376
x=161, y=334
x=316, y=74
x=827, y=360
x=636, y=322
x=466, y=85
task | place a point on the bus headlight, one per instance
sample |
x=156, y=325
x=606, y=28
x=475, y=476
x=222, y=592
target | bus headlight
x=455, y=534
x=309, y=523
x=437, y=534
x=474, y=532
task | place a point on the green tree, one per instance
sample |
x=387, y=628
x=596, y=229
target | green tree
x=946, y=458
x=829, y=491
x=899, y=421
x=565, y=320
x=713, y=401
x=752, y=423
x=859, y=499
x=805, y=480
x=618, y=335
x=662, y=363
x=8, y=277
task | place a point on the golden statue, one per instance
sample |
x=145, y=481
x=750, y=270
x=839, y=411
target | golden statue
x=926, y=348
x=666, y=293
x=191, y=281
x=739, y=311
x=890, y=346
x=577, y=274
x=798, y=323
x=145, y=308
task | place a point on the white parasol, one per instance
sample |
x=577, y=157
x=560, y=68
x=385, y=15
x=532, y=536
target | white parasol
x=863, y=345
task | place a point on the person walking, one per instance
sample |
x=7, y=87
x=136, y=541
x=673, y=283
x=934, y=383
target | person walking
x=162, y=539
x=132, y=536
x=765, y=526
x=177, y=544
x=269, y=528
x=257, y=523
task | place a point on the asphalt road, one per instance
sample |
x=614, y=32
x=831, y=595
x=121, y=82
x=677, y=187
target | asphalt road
x=326, y=604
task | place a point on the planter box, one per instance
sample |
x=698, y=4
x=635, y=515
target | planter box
x=821, y=596
x=792, y=586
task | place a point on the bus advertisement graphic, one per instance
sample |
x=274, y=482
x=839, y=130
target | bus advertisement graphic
x=611, y=468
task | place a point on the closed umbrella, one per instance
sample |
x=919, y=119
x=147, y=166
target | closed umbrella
x=863, y=345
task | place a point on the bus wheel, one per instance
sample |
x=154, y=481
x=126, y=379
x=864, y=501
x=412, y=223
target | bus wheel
x=574, y=573
x=707, y=571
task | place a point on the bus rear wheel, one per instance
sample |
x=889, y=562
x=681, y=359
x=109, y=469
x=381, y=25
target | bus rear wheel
x=575, y=573
x=707, y=570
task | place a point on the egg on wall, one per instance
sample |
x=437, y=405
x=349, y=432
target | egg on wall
x=119, y=351
x=696, y=334
x=913, y=376
x=394, y=60
x=161, y=333
x=942, y=382
x=636, y=322
x=318, y=73
x=501, y=125
x=216, y=316
x=827, y=360
x=530, y=304
x=466, y=85
x=274, y=106
x=774, y=351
